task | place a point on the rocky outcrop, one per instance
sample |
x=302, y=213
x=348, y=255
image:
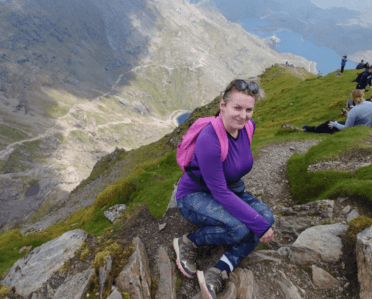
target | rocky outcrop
x=135, y=277
x=263, y=274
x=29, y=273
x=364, y=260
x=75, y=287
x=319, y=243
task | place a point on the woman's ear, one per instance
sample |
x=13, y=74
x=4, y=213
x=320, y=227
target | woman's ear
x=222, y=104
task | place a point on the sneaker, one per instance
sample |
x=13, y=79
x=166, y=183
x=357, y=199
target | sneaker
x=304, y=128
x=210, y=282
x=186, y=255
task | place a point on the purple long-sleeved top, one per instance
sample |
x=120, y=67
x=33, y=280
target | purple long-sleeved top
x=217, y=174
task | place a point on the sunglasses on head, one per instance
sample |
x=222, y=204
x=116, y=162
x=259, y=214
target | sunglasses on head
x=241, y=85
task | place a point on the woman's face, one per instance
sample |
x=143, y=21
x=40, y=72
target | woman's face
x=237, y=111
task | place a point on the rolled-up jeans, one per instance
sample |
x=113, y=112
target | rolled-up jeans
x=219, y=227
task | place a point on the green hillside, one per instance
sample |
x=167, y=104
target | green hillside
x=146, y=175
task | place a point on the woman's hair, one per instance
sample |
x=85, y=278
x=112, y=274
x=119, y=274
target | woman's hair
x=357, y=96
x=227, y=93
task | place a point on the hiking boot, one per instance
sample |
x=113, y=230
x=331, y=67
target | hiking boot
x=210, y=282
x=186, y=255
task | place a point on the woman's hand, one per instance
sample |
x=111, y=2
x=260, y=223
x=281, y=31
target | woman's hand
x=268, y=236
x=330, y=125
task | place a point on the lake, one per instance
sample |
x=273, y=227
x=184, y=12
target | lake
x=327, y=59
x=182, y=118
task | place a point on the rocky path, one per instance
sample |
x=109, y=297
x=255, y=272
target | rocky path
x=284, y=270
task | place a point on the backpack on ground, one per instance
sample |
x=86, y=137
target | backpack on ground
x=185, y=150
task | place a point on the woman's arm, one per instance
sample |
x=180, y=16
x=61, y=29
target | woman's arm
x=350, y=121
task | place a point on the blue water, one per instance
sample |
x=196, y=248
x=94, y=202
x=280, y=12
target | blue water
x=290, y=42
x=182, y=118
x=32, y=190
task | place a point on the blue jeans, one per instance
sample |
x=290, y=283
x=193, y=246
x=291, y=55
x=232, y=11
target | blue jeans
x=219, y=227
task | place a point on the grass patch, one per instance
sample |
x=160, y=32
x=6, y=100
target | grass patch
x=355, y=227
x=12, y=164
x=12, y=133
x=309, y=186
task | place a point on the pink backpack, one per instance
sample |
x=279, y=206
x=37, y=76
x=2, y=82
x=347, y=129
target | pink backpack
x=185, y=150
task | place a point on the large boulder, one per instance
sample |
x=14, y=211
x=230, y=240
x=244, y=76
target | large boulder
x=364, y=261
x=29, y=273
x=318, y=243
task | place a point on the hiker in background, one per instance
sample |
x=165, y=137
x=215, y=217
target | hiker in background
x=343, y=63
x=360, y=65
x=359, y=115
x=217, y=202
x=365, y=79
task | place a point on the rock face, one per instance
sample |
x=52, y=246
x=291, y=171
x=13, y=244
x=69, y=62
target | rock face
x=322, y=279
x=319, y=243
x=29, y=273
x=75, y=287
x=167, y=280
x=364, y=260
x=135, y=277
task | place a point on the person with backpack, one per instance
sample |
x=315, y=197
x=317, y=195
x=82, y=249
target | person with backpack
x=365, y=79
x=359, y=115
x=211, y=193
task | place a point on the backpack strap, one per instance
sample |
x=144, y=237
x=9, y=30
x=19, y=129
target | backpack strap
x=249, y=129
x=219, y=127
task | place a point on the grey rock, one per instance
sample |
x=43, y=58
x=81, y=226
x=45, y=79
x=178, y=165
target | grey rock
x=167, y=279
x=318, y=243
x=173, y=202
x=244, y=283
x=341, y=199
x=29, y=273
x=364, y=262
x=324, y=208
x=114, y=212
x=293, y=226
x=322, y=279
x=75, y=286
x=162, y=226
x=353, y=214
x=135, y=277
x=255, y=257
x=284, y=251
x=286, y=288
x=103, y=272
x=115, y=295
x=346, y=210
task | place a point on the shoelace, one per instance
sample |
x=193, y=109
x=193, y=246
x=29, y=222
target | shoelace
x=215, y=279
x=191, y=253
x=192, y=256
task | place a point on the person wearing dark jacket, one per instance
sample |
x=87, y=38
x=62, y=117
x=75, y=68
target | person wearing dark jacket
x=365, y=79
x=343, y=63
x=360, y=65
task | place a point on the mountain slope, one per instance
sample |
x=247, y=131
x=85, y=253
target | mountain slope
x=85, y=77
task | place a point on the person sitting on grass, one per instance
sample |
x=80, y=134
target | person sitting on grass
x=218, y=204
x=359, y=115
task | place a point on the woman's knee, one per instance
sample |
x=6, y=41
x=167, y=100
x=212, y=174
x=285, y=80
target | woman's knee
x=239, y=232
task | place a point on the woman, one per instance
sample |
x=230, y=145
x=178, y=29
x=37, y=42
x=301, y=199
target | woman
x=360, y=114
x=225, y=215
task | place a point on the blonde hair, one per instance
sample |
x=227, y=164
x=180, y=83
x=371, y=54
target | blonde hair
x=227, y=93
x=357, y=96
